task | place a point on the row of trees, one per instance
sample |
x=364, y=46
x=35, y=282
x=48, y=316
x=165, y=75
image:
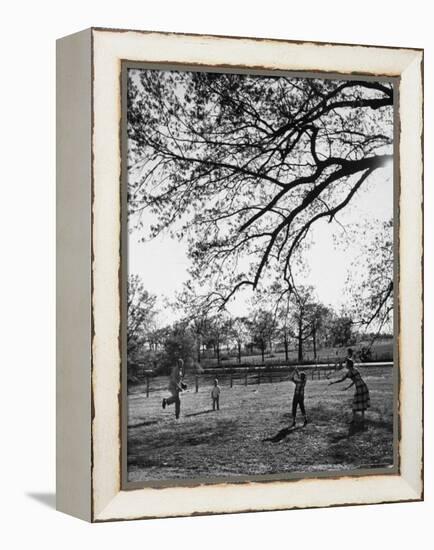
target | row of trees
x=296, y=322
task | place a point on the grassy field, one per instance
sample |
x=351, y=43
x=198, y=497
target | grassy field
x=250, y=435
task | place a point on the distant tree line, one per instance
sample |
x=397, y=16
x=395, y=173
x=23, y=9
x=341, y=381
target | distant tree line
x=297, y=322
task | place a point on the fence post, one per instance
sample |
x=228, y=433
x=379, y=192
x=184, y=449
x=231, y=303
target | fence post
x=259, y=377
x=147, y=385
x=197, y=383
x=245, y=380
x=231, y=378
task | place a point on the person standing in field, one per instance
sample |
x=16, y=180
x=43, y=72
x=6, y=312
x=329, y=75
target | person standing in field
x=215, y=394
x=361, y=400
x=175, y=387
x=299, y=379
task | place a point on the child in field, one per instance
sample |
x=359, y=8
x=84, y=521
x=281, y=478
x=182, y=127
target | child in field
x=175, y=387
x=215, y=394
x=299, y=380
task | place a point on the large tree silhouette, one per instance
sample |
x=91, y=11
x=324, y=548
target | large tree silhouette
x=245, y=166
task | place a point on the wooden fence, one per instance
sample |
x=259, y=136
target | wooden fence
x=250, y=375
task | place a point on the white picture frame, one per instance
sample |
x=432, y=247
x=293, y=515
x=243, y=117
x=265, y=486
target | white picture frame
x=89, y=376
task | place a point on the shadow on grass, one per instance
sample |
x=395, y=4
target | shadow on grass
x=281, y=434
x=141, y=424
x=199, y=413
x=353, y=429
x=384, y=424
x=361, y=427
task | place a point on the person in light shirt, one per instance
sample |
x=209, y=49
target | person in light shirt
x=175, y=387
x=215, y=395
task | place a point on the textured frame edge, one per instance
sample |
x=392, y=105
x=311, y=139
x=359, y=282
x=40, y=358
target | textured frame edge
x=73, y=275
x=106, y=502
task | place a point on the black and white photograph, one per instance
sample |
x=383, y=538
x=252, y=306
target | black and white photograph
x=218, y=246
x=259, y=267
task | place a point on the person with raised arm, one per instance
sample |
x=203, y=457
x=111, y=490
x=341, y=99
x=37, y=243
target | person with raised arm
x=361, y=400
x=299, y=379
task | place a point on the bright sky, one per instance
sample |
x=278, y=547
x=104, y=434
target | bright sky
x=329, y=264
x=162, y=263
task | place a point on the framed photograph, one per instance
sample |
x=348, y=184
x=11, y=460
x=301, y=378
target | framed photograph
x=240, y=286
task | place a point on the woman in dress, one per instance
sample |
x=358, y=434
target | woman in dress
x=361, y=400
